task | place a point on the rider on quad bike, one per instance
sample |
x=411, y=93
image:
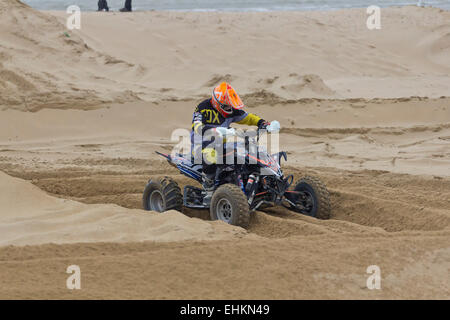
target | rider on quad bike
x=216, y=114
x=232, y=191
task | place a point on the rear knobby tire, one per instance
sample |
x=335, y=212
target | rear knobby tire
x=162, y=195
x=320, y=194
x=230, y=196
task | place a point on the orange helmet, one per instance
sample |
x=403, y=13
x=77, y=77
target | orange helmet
x=225, y=99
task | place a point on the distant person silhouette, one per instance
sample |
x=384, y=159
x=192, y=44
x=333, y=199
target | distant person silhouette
x=127, y=7
x=102, y=5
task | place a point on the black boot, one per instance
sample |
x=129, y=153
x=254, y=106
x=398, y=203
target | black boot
x=208, y=181
x=103, y=5
x=127, y=7
x=208, y=184
x=209, y=176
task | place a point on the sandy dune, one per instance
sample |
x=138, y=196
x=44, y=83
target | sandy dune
x=399, y=221
x=30, y=216
x=276, y=55
x=396, y=135
x=366, y=111
x=378, y=218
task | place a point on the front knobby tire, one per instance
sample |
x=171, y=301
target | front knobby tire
x=318, y=202
x=230, y=205
x=162, y=195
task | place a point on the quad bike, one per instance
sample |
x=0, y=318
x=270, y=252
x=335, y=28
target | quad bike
x=254, y=181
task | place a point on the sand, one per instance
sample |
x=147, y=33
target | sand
x=30, y=217
x=81, y=116
x=173, y=55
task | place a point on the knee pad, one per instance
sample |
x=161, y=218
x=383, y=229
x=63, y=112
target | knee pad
x=209, y=155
